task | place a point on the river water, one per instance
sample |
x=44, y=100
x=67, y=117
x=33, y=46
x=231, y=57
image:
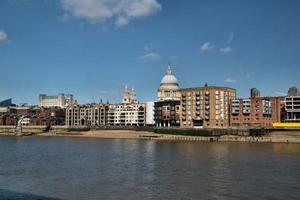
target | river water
x=91, y=168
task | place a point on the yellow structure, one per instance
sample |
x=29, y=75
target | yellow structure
x=287, y=125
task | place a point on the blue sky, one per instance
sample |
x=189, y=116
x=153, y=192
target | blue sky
x=92, y=48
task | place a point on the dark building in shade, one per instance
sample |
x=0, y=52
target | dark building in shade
x=6, y=103
x=254, y=93
x=167, y=108
x=293, y=91
x=166, y=113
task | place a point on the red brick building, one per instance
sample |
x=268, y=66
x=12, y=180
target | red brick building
x=8, y=120
x=38, y=116
x=255, y=112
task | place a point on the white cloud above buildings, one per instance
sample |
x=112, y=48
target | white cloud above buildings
x=206, y=46
x=280, y=93
x=152, y=56
x=229, y=80
x=120, y=11
x=3, y=36
x=226, y=49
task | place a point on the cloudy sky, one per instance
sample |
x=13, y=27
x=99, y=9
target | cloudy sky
x=92, y=48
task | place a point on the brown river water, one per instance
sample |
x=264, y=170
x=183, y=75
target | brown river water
x=92, y=168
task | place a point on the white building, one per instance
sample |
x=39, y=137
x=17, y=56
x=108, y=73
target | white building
x=128, y=113
x=61, y=100
x=150, y=113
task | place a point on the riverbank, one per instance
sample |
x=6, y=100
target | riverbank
x=152, y=133
x=274, y=137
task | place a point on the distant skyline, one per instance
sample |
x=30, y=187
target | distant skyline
x=92, y=48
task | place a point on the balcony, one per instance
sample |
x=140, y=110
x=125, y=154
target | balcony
x=235, y=111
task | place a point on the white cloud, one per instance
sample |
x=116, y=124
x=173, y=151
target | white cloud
x=100, y=11
x=229, y=80
x=226, y=50
x=3, y=36
x=206, y=46
x=150, y=56
x=280, y=93
x=122, y=21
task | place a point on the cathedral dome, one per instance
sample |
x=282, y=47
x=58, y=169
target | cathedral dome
x=169, y=87
x=169, y=81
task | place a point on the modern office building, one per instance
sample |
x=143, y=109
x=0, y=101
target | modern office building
x=61, y=100
x=293, y=91
x=255, y=112
x=206, y=107
x=167, y=106
x=128, y=113
x=86, y=115
x=254, y=93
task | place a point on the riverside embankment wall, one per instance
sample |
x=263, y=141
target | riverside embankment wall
x=10, y=130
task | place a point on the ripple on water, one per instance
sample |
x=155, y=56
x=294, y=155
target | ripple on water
x=88, y=168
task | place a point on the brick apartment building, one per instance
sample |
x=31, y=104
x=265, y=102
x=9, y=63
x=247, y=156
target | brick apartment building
x=255, y=112
x=206, y=107
x=36, y=116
